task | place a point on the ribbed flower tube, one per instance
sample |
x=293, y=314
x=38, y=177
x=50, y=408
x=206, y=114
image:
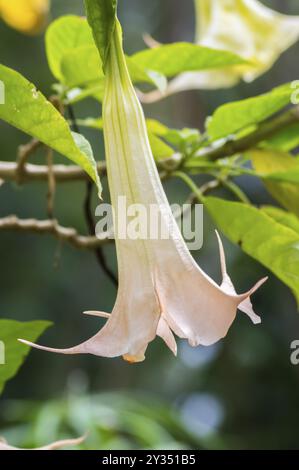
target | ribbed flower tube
x=161, y=291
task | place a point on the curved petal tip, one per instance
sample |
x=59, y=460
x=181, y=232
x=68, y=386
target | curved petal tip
x=246, y=305
x=95, y=313
x=65, y=443
x=54, y=350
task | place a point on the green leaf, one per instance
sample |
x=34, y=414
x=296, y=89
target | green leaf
x=260, y=236
x=233, y=117
x=283, y=217
x=101, y=16
x=82, y=67
x=15, y=352
x=75, y=61
x=160, y=149
x=156, y=127
x=140, y=74
x=173, y=59
x=291, y=176
x=280, y=166
x=28, y=110
x=64, y=35
x=285, y=140
x=179, y=138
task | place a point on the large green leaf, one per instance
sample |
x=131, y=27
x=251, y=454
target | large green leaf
x=233, y=117
x=63, y=35
x=173, y=59
x=291, y=176
x=283, y=217
x=159, y=148
x=279, y=165
x=286, y=140
x=101, y=15
x=15, y=352
x=260, y=236
x=28, y=110
x=82, y=67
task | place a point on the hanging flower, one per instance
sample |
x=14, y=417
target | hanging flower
x=161, y=289
x=27, y=16
x=244, y=27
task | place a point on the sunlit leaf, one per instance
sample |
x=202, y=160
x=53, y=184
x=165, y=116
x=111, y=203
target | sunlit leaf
x=272, y=244
x=280, y=166
x=64, y=35
x=173, y=59
x=28, y=110
x=101, y=15
x=82, y=67
x=283, y=217
x=233, y=117
x=285, y=140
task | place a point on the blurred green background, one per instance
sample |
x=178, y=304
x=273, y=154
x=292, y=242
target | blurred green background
x=240, y=393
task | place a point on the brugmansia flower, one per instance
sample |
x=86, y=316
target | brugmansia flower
x=53, y=446
x=245, y=27
x=27, y=16
x=161, y=289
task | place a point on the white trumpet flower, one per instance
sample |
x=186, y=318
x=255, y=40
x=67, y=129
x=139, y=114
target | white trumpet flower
x=247, y=28
x=161, y=289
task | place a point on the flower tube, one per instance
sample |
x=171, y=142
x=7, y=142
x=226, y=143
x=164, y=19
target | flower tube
x=162, y=291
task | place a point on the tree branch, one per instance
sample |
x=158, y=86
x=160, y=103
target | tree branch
x=52, y=227
x=65, y=173
x=265, y=130
x=100, y=255
x=31, y=172
x=91, y=227
x=24, y=152
x=51, y=185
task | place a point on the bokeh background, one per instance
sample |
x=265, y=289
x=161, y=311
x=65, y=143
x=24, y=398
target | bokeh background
x=240, y=393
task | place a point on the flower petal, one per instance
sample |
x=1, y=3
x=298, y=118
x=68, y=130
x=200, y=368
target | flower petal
x=227, y=286
x=194, y=306
x=166, y=334
x=244, y=27
x=54, y=446
x=95, y=313
x=133, y=322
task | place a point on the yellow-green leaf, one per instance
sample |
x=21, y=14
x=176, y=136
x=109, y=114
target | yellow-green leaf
x=28, y=110
x=173, y=59
x=277, y=164
x=101, y=15
x=63, y=35
x=232, y=117
x=283, y=217
x=272, y=244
